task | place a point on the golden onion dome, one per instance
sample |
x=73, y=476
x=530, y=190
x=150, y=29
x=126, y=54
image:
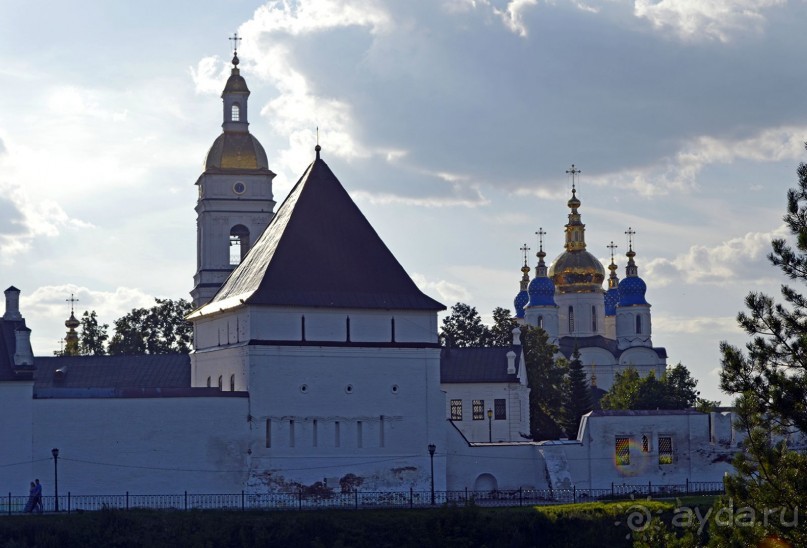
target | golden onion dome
x=236, y=150
x=72, y=322
x=577, y=272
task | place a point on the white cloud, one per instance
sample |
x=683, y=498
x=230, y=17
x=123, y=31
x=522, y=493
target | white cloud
x=718, y=264
x=208, y=75
x=314, y=15
x=680, y=172
x=513, y=15
x=706, y=19
x=449, y=293
x=718, y=326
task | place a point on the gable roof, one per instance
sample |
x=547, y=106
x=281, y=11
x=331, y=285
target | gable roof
x=320, y=251
x=478, y=364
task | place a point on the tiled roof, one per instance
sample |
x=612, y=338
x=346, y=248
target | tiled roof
x=474, y=365
x=320, y=251
x=164, y=371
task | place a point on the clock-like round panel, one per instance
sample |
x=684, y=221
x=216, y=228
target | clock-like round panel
x=239, y=187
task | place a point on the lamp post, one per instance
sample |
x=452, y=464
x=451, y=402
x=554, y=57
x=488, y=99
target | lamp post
x=55, y=453
x=432, y=447
x=490, y=426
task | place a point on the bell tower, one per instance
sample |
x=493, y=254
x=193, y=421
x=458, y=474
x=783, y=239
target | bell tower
x=235, y=201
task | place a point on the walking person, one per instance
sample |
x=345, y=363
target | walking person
x=37, y=497
x=29, y=506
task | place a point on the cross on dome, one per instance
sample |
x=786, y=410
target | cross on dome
x=72, y=300
x=524, y=250
x=235, y=39
x=630, y=232
x=540, y=235
x=612, y=246
x=573, y=172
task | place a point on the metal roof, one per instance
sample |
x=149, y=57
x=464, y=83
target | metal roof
x=475, y=365
x=320, y=251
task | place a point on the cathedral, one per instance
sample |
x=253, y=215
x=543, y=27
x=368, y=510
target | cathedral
x=610, y=329
x=316, y=361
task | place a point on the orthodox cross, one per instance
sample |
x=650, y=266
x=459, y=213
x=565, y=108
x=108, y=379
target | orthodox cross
x=612, y=247
x=524, y=250
x=235, y=38
x=630, y=232
x=540, y=235
x=573, y=172
x=71, y=300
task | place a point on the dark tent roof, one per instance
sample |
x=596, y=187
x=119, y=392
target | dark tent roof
x=471, y=365
x=320, y=251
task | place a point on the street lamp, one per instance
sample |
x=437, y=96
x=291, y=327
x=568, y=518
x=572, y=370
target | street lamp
x=55, y=453
x=432, y=447
x=490, y=426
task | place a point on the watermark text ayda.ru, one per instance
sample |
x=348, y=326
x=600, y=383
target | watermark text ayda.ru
x=639, y=516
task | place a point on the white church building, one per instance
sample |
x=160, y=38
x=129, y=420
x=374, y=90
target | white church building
x=316, y=360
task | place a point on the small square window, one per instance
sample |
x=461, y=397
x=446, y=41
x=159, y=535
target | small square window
x=456, y=410
x=478, y=409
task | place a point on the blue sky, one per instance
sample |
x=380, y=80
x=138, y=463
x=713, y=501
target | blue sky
x=451, y=122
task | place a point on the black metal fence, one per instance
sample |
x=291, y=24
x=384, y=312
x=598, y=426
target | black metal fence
x=304, y=499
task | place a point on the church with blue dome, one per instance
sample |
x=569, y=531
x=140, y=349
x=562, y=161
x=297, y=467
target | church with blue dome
x=610, y=327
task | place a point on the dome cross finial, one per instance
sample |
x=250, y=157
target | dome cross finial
x=573, y=172
x=72, y=300
x=630, y=233
x=235, y=39
x=612, y=246
x=524, y=250
x=540, y=235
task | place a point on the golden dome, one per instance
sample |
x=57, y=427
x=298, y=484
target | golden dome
x=577, y=272
x=236, y=150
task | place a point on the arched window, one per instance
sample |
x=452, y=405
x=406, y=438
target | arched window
x=220, y=382
x=638, y=324
x=235, y=113
x=540, y=321
x=208, y=382
x=232, y=383
x=571, y=319
x=593, y=318
x=239, y=243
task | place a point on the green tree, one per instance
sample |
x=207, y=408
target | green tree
x=501, y=334
x=464, y=328
x=93, y=336
x=578, y=396
x=161, y=329
x=546, y=378
x=624, y=392
x=769, y=380
x=676, y=389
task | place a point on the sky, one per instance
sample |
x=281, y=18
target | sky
x=452, y=124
